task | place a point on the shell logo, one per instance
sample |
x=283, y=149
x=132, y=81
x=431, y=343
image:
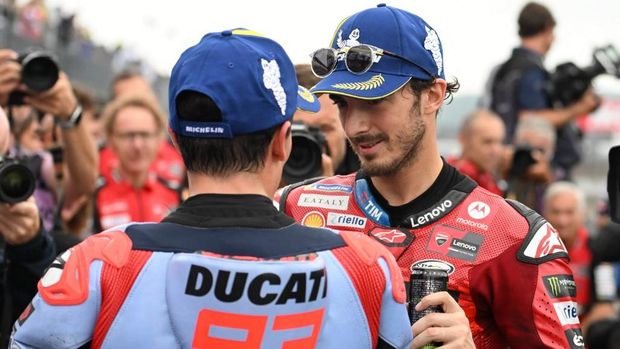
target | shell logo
x=313, y=219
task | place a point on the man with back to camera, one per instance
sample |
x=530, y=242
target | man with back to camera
x=384, y=70
x=226, y=269
x=517, y=88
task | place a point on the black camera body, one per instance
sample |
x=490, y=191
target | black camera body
x=17, y=181
x=306, y=154
x=522, y=159
x=569, y=82
x=40, y=72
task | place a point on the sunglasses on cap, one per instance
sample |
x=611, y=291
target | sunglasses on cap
x=357, y=59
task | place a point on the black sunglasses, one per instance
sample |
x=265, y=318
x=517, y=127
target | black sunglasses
x=357, y=59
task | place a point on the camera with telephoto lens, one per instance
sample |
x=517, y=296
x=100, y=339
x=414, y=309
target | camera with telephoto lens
x=569, y=82
x=17, y=181
x=40, y=72
x=305, y=159
x=522, y=159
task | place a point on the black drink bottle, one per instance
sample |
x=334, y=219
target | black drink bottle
x=423, y=282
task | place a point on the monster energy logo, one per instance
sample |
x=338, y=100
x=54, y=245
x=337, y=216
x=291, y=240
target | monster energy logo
x=560, y=286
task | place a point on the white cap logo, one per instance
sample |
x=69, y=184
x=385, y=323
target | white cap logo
x=271, y=79
x=478, y=210
x=431, y=43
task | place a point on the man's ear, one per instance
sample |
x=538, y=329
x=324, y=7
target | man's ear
x=281, y=143
x=434, y=96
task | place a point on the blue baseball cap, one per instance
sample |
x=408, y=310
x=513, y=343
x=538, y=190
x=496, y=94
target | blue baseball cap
x=391, y=29
x=250, y=78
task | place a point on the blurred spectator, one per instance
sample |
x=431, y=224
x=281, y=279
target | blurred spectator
x=130, y=82
x=529, y=169
x=517, y=88
x=481, y=138
x=168, y=164
x=133, y=191
x=343, y=159
x=65, y=29
x=25, y=250
x=564, y=208
x=29, y=146
x=32, y=20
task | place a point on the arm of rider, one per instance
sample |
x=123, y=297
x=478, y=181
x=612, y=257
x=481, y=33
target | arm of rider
x=450, y=327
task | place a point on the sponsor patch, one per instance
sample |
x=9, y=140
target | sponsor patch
x=566, y=312
x=471, y=223
x=368, y=204
x=392, y=237
x=331, y=187
x=574, y=338
x=334, y=202
x=545, y=244
x=559, y=286
x=478, y=210
x=433, y=263
x=439, y=210
x=313, y=219
x=345, y=220
x=453, y=242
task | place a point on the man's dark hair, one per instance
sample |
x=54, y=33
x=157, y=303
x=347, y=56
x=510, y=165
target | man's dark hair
x=417, y=86
x=534, y=19
x=218, y=156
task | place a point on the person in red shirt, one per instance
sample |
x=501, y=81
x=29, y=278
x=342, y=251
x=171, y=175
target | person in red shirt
x=168, y=163
x=132, y=190
x=594, y=283
x=481, y=138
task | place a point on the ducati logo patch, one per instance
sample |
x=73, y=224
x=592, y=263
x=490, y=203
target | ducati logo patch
x=453, y=242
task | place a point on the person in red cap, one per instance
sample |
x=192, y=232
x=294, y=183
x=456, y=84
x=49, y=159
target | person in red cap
x=385, y=72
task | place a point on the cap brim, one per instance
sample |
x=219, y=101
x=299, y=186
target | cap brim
x=370, y=85
x=307, y=101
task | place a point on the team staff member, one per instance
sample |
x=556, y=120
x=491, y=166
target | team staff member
x=226, y=269
x=385, y=71
x=481, y=136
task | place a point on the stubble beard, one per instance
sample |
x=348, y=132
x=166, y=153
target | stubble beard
x=408, y=141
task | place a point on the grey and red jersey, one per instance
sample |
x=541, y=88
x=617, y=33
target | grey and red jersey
x=169, y=285
x=507, y=266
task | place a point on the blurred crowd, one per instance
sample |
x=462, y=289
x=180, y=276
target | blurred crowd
x=113, y=163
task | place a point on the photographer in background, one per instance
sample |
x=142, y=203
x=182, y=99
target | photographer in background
x=518, y=87
x=25, y=249
x=529, y=168
x=53, y=95
x=343, y=159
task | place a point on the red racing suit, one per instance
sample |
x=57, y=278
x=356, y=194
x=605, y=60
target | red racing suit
x=118, y=202
x=483, y=178
x=507, y=266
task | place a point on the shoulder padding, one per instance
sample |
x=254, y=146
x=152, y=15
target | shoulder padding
x=542, y=242
x=369, y=252
x=291, y=187
x=65, y=281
